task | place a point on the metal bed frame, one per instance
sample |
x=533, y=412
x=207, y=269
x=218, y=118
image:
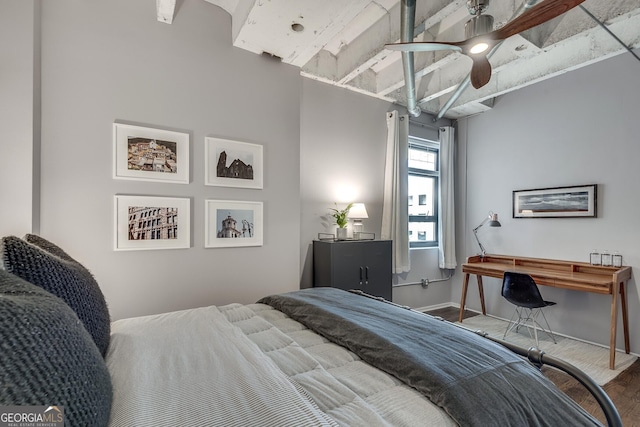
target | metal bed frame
x=538, y=358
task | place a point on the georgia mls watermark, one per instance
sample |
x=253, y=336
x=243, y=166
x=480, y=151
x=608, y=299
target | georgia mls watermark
x=31, y=416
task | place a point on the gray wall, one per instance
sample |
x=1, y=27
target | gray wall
x=342, y=156
x=100, y=64
x=113, y=61
x=578, y=128
x=19, y=116
x=342, y=140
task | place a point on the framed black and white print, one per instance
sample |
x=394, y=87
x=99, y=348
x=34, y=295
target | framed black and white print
x=232, y=163
x=148, y=154
x=230, y=223
x=558, y=202
x=148, y=222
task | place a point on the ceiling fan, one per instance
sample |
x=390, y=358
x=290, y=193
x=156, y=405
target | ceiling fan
x=480, y=39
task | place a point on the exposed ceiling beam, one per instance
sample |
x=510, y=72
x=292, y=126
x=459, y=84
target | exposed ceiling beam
x=165, y=10
x=342, y=43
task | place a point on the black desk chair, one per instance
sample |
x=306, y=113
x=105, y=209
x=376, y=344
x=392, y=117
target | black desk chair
x=520, y=289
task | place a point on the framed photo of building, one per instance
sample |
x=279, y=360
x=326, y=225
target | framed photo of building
x=232, y=163
x=558, y=202
x=147, y=154
x=148, y=222
x=230, y=223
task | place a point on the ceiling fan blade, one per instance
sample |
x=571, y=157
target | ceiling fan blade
x=480, y=71
x=539, y=14
x=422, y=46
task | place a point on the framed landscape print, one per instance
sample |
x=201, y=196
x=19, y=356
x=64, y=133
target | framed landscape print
x=147, y=154
x=231, y=223
x=559, y=202
x=148, y=222
x=232, y=163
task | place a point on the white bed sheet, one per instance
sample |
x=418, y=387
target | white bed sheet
x=249, y=365
x=194, y=368
x=351, y=391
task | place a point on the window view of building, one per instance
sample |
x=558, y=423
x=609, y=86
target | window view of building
x=423, y=187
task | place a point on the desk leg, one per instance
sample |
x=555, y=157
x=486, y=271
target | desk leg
x=625, y=318
x=614, y=325
x=465, y=285
x=481, y=292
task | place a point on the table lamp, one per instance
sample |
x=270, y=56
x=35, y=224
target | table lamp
x=357, y=213
x=492, y=218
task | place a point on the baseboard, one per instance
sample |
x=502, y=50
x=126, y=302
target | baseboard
x=433, y=307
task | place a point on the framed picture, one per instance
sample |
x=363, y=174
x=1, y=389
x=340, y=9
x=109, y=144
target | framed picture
x=147, y=222
x=231, y=223
x=147, y=154
x=559, y=202
x=232, y=163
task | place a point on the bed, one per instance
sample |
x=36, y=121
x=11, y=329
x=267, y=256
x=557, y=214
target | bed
x=312, y=357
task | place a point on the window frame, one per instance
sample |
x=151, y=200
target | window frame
x=432, y=146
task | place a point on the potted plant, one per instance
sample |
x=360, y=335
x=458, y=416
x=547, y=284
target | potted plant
x=340, y=218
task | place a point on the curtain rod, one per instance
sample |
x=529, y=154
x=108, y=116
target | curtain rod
x=424, y=125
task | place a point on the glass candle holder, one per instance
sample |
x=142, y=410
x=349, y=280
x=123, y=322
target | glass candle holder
x=617, y=259
x=607, y=260
x=595, y=258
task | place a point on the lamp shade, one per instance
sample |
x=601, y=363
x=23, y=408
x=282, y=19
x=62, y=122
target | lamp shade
x=493, y=220
x=358, y=211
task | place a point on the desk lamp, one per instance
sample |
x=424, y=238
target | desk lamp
x=357, y=212
x=492, y=218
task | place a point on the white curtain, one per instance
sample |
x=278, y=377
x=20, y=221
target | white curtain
x=447, y=232
x=395, y=211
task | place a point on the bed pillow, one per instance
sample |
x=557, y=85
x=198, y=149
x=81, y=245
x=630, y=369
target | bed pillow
x=46, y=265
x=47, y=357
x=43, y=243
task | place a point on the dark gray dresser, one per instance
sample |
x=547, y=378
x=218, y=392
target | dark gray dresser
x=353, y=264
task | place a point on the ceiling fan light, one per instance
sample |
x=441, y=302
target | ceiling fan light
x=479, y=48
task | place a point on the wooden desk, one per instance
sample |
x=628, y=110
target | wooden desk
x=578, y=276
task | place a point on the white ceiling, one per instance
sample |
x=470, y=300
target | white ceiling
x=342, y=43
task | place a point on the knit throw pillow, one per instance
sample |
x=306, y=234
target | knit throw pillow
x=47, y=357
x=46, y=265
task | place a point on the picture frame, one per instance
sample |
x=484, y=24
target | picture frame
x=148, y=154
x=231, y=163
x=230, y=223
x=150, y=222
x=558, y=202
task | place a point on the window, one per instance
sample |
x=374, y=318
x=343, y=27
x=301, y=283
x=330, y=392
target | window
x=423, y=187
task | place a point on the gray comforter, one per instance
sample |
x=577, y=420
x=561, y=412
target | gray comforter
x=477, y=382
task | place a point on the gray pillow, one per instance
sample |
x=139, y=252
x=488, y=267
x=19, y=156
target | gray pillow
x=47, y=357
x=46, y=265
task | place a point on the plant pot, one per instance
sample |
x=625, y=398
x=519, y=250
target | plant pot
x=341, y=233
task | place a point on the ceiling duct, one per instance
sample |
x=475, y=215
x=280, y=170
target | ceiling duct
x=407, y=26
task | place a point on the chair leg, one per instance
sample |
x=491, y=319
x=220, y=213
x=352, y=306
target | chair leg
x=548, y=330
x=531, y=319
x=526, y=317
x=513, y=324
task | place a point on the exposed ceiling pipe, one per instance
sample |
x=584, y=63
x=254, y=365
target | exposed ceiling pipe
x=465, y=83
x=407, y=25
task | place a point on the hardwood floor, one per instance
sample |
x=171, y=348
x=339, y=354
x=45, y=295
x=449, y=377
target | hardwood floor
x=624, y=390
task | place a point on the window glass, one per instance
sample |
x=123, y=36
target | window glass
x=423, y=186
